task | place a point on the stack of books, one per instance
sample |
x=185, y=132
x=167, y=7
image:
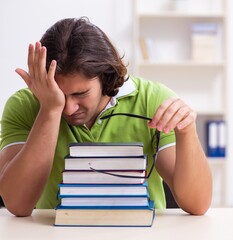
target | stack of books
x=104, y=184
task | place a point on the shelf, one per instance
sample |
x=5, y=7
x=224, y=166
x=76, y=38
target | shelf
x=172, y=14
x=211, y=113
x=216, y=161
x=185, y=63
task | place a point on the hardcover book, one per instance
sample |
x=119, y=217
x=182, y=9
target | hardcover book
x=106, y=163
x=104, y=149
x=96, y=201
x=103, y=189
x=105, y=216
x=92, y=177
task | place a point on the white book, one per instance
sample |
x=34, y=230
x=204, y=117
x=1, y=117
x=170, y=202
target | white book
x=106, y=163
x=91, y=177
x=104, y=149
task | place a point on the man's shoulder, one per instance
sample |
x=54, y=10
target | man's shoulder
x=140, y=81
x=151, y=86
x=21, y=97
x=23, y=93
x=22, y=102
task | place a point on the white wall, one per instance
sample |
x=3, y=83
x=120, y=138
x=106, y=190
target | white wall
x=23, y=22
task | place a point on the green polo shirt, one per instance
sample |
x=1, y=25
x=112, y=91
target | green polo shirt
x=136, y=96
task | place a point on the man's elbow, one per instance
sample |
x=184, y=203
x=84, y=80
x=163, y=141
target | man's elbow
x=19, y=210
x=197, y=209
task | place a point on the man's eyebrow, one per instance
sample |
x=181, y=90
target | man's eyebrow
x=80, y=93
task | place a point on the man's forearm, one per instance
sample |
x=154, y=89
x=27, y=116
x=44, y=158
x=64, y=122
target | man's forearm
x=192, y=177
x=25, y=176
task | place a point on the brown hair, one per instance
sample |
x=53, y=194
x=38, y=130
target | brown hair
x=79, y=46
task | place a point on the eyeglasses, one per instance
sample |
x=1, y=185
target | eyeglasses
x=156, y=147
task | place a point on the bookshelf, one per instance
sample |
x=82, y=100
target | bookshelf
x=166, y=29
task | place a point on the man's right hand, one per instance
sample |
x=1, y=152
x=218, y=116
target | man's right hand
x=42, y=83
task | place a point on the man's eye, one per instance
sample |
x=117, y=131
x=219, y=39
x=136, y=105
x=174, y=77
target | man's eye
x=83, y=94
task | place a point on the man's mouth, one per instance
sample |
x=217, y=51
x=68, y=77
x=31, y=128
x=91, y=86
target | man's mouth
x=77, y=114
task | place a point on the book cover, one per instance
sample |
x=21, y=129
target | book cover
x=104, y=189
x=92, y=177
x=141, y=216
x=106, y=163
x=104, y=149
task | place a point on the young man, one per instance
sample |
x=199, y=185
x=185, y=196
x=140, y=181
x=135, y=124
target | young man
x=75, y=76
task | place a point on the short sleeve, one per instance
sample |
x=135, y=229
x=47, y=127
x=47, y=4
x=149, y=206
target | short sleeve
x=18, y=117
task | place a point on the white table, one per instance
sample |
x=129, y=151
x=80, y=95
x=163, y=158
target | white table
x=168, y=224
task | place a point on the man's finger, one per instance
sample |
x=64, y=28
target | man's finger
x=24, y=75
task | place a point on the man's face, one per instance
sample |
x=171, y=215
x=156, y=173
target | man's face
x=84, y=99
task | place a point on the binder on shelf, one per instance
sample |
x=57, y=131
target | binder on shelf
x=205, y=45
x=222, y=139
x=216, y=138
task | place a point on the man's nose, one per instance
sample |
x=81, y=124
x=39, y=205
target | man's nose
x=71, y=106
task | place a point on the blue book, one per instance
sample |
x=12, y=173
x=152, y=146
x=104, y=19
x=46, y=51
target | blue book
x=96, y=201
x=103, y=189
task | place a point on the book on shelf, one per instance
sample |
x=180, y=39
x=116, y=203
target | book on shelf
x=141, y=216
x=143, y=48
x=147, y=46
x=97, y=201
x=205, y=42
x=106, y=163
x=92, y=177
x=216, y=138
x=104, y=149
x=103, y=189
